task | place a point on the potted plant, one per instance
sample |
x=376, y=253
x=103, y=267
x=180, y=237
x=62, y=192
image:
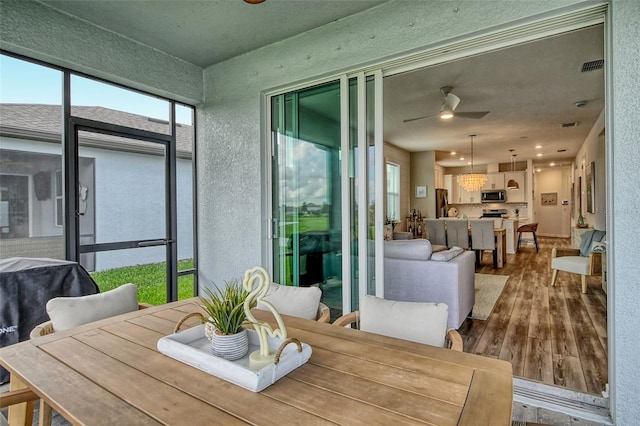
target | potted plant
x=225, y=310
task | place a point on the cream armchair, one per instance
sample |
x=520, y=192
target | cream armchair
x=584, y=261
x=569, y=260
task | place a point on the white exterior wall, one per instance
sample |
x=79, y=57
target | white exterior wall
x=230, y=142
x=129, y=198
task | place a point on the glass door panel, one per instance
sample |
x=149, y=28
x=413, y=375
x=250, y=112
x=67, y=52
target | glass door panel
x=306, y=191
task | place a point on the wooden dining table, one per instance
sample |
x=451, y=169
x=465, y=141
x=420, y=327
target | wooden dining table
x=110, y=373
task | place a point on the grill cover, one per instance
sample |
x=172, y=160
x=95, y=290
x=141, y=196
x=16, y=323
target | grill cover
x=26, y=285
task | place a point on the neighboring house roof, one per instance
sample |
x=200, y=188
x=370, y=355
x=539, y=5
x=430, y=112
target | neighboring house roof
x=44, y=122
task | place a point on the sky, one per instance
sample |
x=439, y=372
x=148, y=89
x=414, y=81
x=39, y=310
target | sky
x=24, y=82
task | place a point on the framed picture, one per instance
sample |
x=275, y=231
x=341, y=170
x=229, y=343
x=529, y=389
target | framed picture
x=590, y=178
x=421, y=192
x=549, y=198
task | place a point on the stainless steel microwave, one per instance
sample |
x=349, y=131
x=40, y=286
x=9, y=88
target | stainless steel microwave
x=494, y=196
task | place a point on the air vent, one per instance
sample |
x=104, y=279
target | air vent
x=562, y=150
x=572, y=124
x=593, y=65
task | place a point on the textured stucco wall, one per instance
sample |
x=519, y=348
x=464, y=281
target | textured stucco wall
x=625, y=202
x=231, y=232
x=230, y=185
x=37, y=31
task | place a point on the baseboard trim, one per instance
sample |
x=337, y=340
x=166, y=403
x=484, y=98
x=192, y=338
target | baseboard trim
x=577, y=404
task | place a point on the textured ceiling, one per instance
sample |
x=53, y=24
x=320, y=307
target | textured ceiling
x=205, y=32
x=530, y=89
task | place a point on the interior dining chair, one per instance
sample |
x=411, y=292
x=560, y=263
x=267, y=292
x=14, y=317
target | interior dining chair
x=436, y=233
x=483, y=238
x=69, y=312
x=414, y=321
x=457, y=233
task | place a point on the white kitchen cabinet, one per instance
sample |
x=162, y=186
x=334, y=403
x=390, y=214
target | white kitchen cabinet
x=494, y=181
x=516, y=195
x=511, y=226
x=470, y=197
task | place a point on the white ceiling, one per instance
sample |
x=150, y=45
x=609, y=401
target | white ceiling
x=530, y=89
x=205, y=32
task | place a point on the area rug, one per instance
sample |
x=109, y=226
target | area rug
x=488, y=290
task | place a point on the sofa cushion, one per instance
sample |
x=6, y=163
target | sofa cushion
x=301, y=302
x=447, y=255
x=69, y=312
x=418, y=249
x=418, y=322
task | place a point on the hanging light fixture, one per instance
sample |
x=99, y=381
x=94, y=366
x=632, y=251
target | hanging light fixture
x=472, y=181
x=512, y=183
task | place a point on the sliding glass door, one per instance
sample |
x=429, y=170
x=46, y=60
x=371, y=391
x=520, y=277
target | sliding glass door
x=320, y=234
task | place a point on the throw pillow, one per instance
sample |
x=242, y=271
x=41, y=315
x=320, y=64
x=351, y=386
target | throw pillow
x=417, y=322
x=301, y=302
x=69, y=312
x=418, y=249
x=447, y=255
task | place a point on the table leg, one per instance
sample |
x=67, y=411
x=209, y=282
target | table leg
x=20, y=414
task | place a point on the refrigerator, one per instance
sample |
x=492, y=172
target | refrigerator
x=442, y=203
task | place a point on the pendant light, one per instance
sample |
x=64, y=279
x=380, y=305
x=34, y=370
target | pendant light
x=512, y=183
x=472, y=181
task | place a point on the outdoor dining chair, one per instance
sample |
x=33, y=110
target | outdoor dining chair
x=414, y=321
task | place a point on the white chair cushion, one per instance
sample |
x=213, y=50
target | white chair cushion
x=418, y=322
x=418, y=249
x=447, y=255
x=69, y=312
x=575, y=264
x=301, y=302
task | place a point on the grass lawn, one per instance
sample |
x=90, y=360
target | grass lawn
x=150, y=280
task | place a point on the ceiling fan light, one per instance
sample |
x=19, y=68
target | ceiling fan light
x=512, y=184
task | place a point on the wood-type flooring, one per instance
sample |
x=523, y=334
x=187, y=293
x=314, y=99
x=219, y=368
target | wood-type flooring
x=553, y=335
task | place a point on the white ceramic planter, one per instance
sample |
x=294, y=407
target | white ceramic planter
x=230, y=347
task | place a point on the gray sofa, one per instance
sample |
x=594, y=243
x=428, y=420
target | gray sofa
x=412, y=273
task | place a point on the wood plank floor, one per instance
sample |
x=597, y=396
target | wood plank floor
x=554, y=335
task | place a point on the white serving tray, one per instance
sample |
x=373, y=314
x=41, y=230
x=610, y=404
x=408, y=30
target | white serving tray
x=192, y=347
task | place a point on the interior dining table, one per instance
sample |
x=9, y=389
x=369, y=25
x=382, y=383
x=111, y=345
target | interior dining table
x=110, y=372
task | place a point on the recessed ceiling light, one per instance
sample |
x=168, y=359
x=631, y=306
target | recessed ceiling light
x=468, y=162
x=538, y=146
x=552, y=164
x=453, y=153
x=538, y=170
x=539, y=154
x=461, y=158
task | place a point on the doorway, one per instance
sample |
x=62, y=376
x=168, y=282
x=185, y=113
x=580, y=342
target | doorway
x=121, y=202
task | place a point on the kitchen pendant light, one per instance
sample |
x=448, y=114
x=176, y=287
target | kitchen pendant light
x=472, y=181
x=512, y=183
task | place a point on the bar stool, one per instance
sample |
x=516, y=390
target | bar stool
x=529, y=227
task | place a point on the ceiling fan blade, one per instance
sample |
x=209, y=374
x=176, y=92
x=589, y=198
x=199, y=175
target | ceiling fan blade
x=419, y=118
x=471, y=114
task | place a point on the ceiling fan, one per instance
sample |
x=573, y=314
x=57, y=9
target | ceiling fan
x=448, y=108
